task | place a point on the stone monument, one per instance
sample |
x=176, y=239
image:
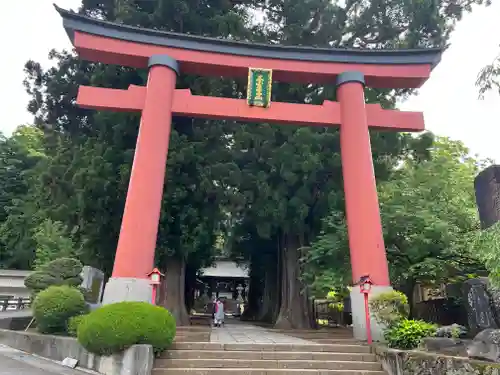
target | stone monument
x=480, y=313
x=487, y=187
x=93, y=282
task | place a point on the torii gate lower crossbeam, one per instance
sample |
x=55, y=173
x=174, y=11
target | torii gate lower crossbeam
x=165, y=54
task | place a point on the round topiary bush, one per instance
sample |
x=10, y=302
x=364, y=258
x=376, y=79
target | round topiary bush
x=54, y=306
x=113, y=328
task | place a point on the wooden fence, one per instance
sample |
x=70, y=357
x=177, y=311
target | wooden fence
x=327, y=314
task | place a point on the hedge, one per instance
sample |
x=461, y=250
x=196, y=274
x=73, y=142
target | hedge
x=113, y=328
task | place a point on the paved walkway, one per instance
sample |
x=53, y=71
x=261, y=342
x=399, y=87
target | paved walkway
x=15, y=362
x=249, y=334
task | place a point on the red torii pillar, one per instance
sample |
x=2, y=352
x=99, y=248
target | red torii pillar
x=135, y=252
x=364, y=226
x=366, y=241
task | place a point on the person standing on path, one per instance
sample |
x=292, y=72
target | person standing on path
x=214, y=303
x=219, y=313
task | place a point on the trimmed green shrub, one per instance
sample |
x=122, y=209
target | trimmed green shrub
x=407, y=334
x=66, y=269
x=54, y=306
x=73, y=324
x=113, y=328
x=389, y=308
x=38, y=281
x=62, y=271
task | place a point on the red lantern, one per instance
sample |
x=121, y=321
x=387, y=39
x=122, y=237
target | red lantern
x=365, y=285
x=155, y=280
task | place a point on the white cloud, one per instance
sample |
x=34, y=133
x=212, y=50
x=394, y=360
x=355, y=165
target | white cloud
x=448, y=100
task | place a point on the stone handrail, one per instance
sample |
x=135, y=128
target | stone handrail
x=14, y=304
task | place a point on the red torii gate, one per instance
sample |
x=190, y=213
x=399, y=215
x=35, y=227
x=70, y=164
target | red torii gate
x=167, y=54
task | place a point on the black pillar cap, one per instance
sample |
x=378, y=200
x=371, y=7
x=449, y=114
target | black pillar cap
x=164, y=60
x=352, y=76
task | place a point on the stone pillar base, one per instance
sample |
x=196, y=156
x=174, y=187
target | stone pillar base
x=359, y=317
x=119, y=289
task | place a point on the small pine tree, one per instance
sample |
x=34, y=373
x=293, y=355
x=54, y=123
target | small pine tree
x=52, y=242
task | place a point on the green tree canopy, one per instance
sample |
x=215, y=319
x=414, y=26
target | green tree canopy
x=486, y=244
x=428, y=212
x=20, y=156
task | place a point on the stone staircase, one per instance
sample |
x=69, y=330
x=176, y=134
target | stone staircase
x=344, y=358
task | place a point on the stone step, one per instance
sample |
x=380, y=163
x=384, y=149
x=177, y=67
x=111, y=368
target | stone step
x=336, y=341
x=192, y=337
x=188, y=333
x=246, y=371
x=222, y=354
x=318, y=336
x=312, y=337
x=325, y=335
x=201, y=320
x=194, y=329
x=321, y=331
x=268, y=364
x=336, y=348
x=192, y=334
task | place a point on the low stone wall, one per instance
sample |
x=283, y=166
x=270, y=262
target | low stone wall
x=15, y=320
x=400, y=362
x=137, y=360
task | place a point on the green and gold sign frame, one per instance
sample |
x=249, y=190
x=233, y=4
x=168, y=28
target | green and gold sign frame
x=260, y=84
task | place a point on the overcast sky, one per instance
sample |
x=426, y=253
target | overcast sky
x=30, y=28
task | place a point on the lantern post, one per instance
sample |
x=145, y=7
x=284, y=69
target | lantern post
x=155, y=280
x=365, y=285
